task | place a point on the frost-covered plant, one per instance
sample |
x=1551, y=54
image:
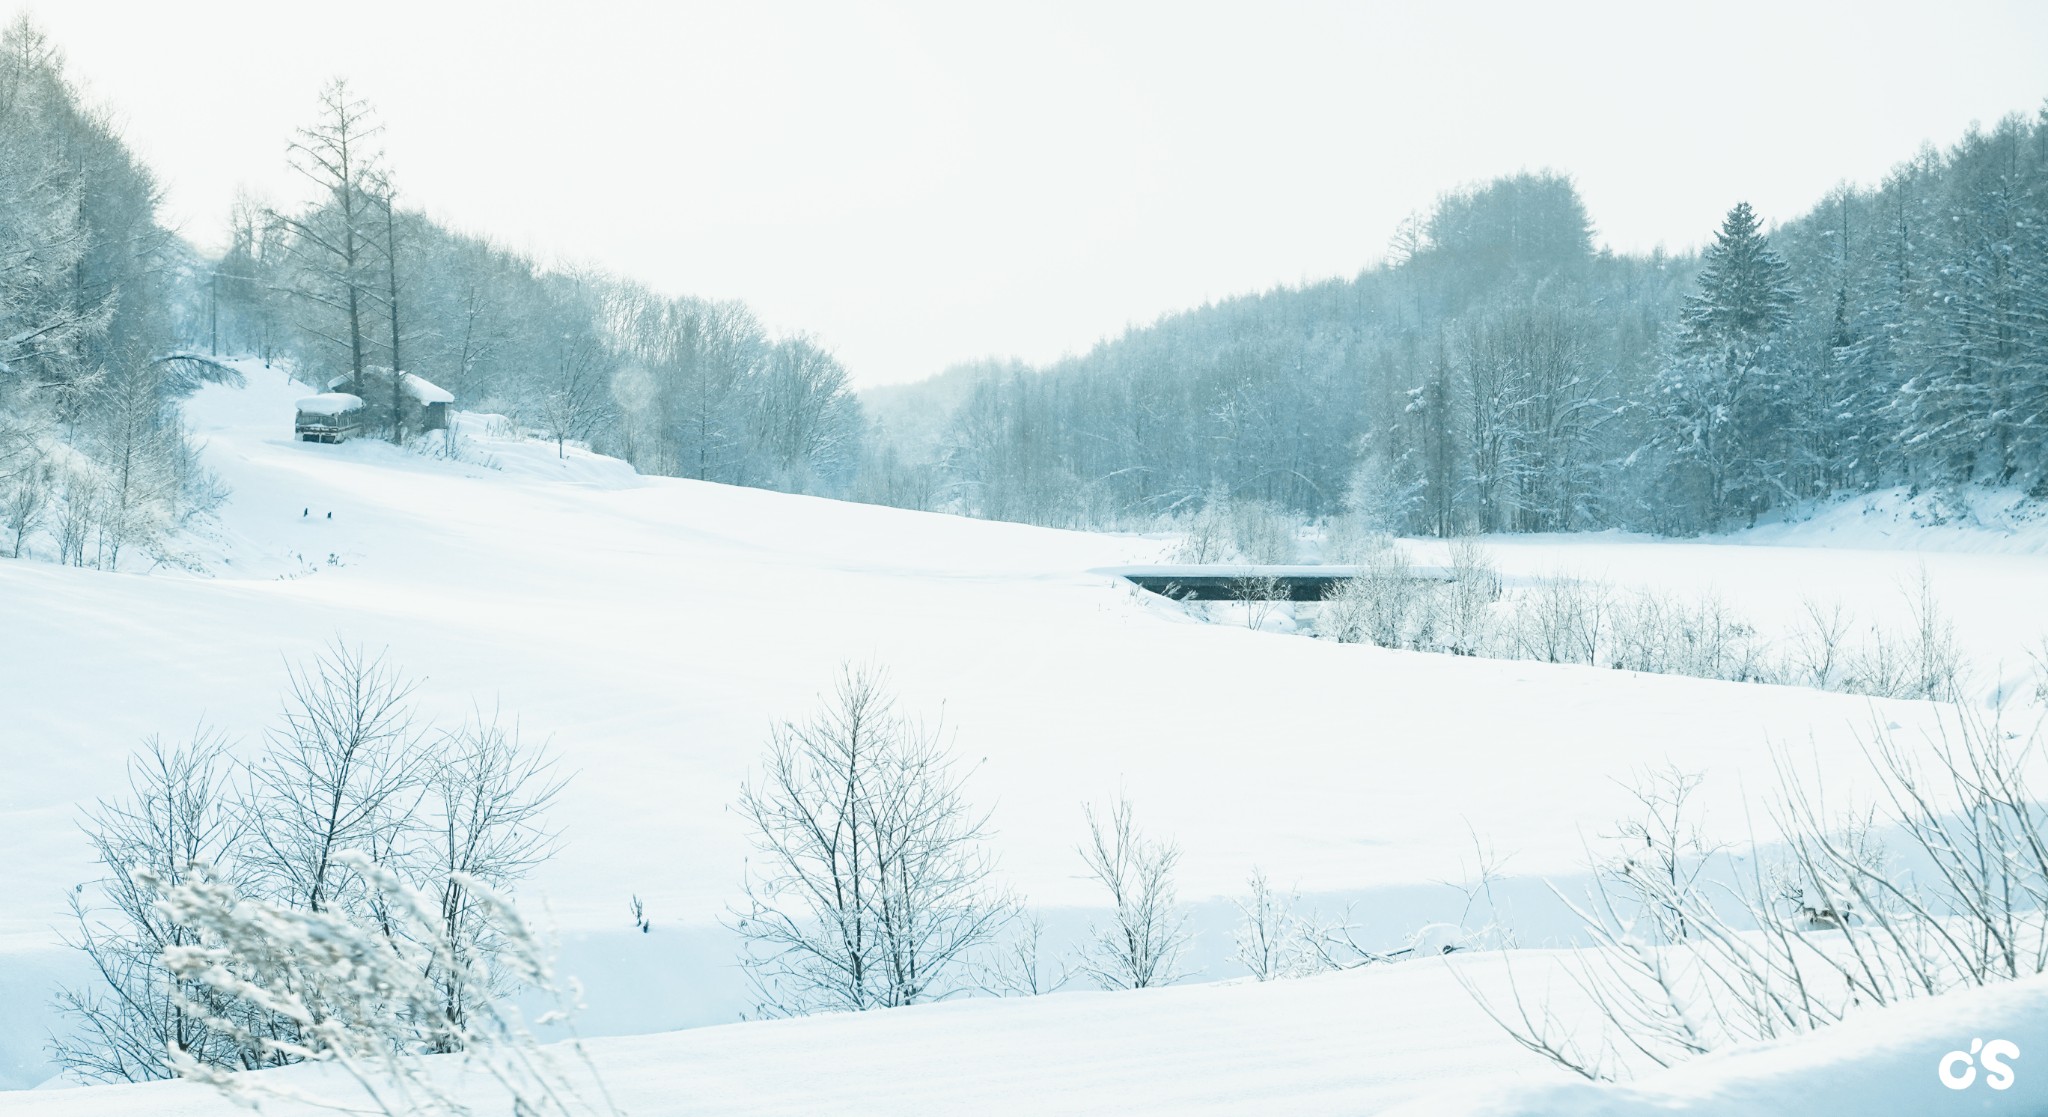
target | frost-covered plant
x=1141, y=944
x=1819, y=652
x=77, y=511
x=178, y=813
x=1204, y=532
x=1259, y=595
x=1796, y=935
x=1018, y=967
x=1562, y=620
x=24, y=500
x=1272, y=939
x=1468, y=624
x=347, y=770
x=1228, y=529
x=874, y=886
x=1261, y=532
x=1384, y=604
x=334, y=977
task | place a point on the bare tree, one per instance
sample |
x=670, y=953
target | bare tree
x=573, y=399
x=345, y=771
x=1827, y=921
x=1662, y=850
x=874, y=886
x=76, y=514
x=141, y=450
x=1817, y=647
x=176, y=819
x=26, y=499
x=487, y=796
x=333, y=244
x=1259, y=594
x=1017, y=967
x=1141, y=946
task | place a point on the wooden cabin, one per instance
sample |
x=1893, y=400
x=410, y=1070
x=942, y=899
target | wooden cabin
x=428, y=404
x=422, y=405
x=329, y=417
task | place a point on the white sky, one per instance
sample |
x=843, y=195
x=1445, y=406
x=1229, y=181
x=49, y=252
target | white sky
x=922, y=184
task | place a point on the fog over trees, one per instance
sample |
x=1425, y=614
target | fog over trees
x=683, y=387
x=91, y=452
x=1500, y=372
x=108, y=318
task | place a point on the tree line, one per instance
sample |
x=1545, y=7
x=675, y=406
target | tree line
x=94, y=465
x=108, y=319
x=1499, y=372
x=353, y=281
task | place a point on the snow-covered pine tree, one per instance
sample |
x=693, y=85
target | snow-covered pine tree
x=1725, y=393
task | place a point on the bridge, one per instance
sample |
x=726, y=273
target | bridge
x=1229, y=582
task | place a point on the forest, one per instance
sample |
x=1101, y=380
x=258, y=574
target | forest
x=108, y=318
x=1500, y=372
x=1497, y=371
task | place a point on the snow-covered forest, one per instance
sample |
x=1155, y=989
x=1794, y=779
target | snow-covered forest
x=1527, y=677
x=1503, y=372
x=109, y=317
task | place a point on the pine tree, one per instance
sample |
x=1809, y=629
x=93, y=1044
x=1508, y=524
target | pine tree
x=1724, y=397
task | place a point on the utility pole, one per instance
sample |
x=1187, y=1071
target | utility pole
x=391, y=287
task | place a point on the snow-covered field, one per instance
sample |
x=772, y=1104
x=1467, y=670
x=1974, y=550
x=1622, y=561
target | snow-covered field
x=653, y=629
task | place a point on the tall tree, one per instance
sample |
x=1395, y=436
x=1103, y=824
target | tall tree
x=333, y=244
x=1722, y=396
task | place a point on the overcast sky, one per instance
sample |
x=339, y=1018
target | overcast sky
x=916, y=185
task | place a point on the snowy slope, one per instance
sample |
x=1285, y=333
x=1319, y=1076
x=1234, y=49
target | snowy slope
x=1350, y=1043
x=652, y=629
x=1403, y=1040
x=1878, y=1063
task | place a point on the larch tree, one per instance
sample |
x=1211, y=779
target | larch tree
x=333, y=244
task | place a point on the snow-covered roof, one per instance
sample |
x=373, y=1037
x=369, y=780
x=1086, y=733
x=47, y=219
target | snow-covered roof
x=425, y=391
x=330, y=403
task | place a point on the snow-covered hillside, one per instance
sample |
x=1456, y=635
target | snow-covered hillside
x=653, y=629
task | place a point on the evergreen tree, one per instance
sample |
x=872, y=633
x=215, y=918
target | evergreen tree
x=1725, y=396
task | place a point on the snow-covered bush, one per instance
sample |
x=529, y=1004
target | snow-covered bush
x=1384, y=604
x=332, y=977
x=1562, y=620
x=1229, y=529
x=1468, y=624
x=1700, y=637
x=347, y=772
x=1262, y=532
x=1272, y=939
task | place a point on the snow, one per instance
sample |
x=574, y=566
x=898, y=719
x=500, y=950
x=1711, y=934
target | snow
x=1325, y=1045
x=651, y=630
x=425, y=391
x=1404, y=1040
x=329, y=403
x=1877, y=1062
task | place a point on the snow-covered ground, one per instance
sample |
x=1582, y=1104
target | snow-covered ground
x=653, y=629
x=1402, y=1040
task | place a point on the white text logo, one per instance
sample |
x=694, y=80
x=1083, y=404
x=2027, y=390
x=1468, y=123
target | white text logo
x=1958, y=1069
